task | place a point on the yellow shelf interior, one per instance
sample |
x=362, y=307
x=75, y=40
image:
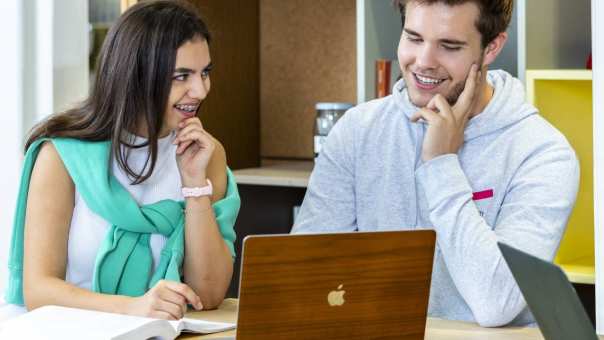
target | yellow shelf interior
x=581, y=270
x=564, y=98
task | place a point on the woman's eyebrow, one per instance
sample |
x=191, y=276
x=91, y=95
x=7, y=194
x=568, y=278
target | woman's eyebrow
x=183, y=70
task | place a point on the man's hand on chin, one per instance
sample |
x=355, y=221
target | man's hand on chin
x=446, y=123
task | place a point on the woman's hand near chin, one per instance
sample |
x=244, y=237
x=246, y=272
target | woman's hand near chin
x=194, y=151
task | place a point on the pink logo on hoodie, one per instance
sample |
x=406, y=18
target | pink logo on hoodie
x=481, y=195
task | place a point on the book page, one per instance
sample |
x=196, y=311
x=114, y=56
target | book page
x=156, y=329
x=54, y=322
x=200, y=326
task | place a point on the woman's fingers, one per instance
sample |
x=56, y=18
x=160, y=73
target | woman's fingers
x=182, y=147
x=175, y=298
x=158, y=314
x=188, y=128
x=173, y=309
x=186, y=292
x=189, y=121
x=195, y=136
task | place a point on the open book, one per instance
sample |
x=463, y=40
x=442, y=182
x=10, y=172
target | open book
x=54, y=322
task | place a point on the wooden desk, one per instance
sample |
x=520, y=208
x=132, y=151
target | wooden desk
x=436, y=329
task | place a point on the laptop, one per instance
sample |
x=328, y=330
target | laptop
x=550, y=296
x=356, y=285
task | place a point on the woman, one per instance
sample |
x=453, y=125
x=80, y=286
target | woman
x=127, y=195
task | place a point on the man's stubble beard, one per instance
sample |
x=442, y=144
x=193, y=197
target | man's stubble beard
x=458, y=88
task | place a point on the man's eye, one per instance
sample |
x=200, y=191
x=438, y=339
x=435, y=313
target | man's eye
x=414, y=40
x=451, y=48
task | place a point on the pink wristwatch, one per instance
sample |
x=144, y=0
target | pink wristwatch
x=198, y=191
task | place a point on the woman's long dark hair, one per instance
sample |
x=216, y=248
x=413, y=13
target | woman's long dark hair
x=133, y=81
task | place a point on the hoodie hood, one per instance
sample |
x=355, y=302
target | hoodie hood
x=507, y=106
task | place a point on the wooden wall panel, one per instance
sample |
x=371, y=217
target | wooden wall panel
x=307, y=55
x=231, y=111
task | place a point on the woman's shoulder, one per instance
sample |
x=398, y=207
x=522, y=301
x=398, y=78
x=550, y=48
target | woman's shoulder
x=66, y=147
x=49, y=171
x=49, y=156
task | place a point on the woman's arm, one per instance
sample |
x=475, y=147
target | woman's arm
x=50, y=207
x=208, y=265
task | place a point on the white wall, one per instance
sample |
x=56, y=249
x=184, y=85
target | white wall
x=11, y=97
x=70, y=53
x=45, y=58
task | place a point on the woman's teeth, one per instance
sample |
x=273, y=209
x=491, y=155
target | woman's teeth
x=188, y=108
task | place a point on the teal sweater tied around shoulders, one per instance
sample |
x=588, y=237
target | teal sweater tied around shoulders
x=124, y=262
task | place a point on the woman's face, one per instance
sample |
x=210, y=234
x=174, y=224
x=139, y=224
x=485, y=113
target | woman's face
x=190, y=83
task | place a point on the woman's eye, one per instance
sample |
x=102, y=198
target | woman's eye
x=414, y=40
x=180, y=77
x=205, y=74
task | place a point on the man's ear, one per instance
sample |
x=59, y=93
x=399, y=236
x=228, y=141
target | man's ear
x=494, y=48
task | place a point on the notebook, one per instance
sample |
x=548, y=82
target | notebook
x=335, y=286
x=54, y=322
x=550, y=296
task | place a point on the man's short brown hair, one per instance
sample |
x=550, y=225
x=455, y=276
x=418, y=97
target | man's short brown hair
x=494, y=18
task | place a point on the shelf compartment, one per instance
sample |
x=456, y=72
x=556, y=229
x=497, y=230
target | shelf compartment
x=564, y=98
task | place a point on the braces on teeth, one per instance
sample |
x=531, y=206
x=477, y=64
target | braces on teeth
x=188, y=108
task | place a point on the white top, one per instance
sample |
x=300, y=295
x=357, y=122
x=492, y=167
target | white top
x=88, y=230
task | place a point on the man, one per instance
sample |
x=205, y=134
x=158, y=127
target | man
x=456, y=149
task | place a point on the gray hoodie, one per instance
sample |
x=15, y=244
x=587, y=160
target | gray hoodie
x=514, y=180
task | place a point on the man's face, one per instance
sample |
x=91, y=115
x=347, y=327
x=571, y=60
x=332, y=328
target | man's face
x=438, y=46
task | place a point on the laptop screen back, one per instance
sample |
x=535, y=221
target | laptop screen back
x=550, y=296
x=336, y=286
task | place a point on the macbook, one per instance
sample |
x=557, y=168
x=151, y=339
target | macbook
x=356, y=285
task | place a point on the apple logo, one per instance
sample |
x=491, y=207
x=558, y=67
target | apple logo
x=336, y=297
